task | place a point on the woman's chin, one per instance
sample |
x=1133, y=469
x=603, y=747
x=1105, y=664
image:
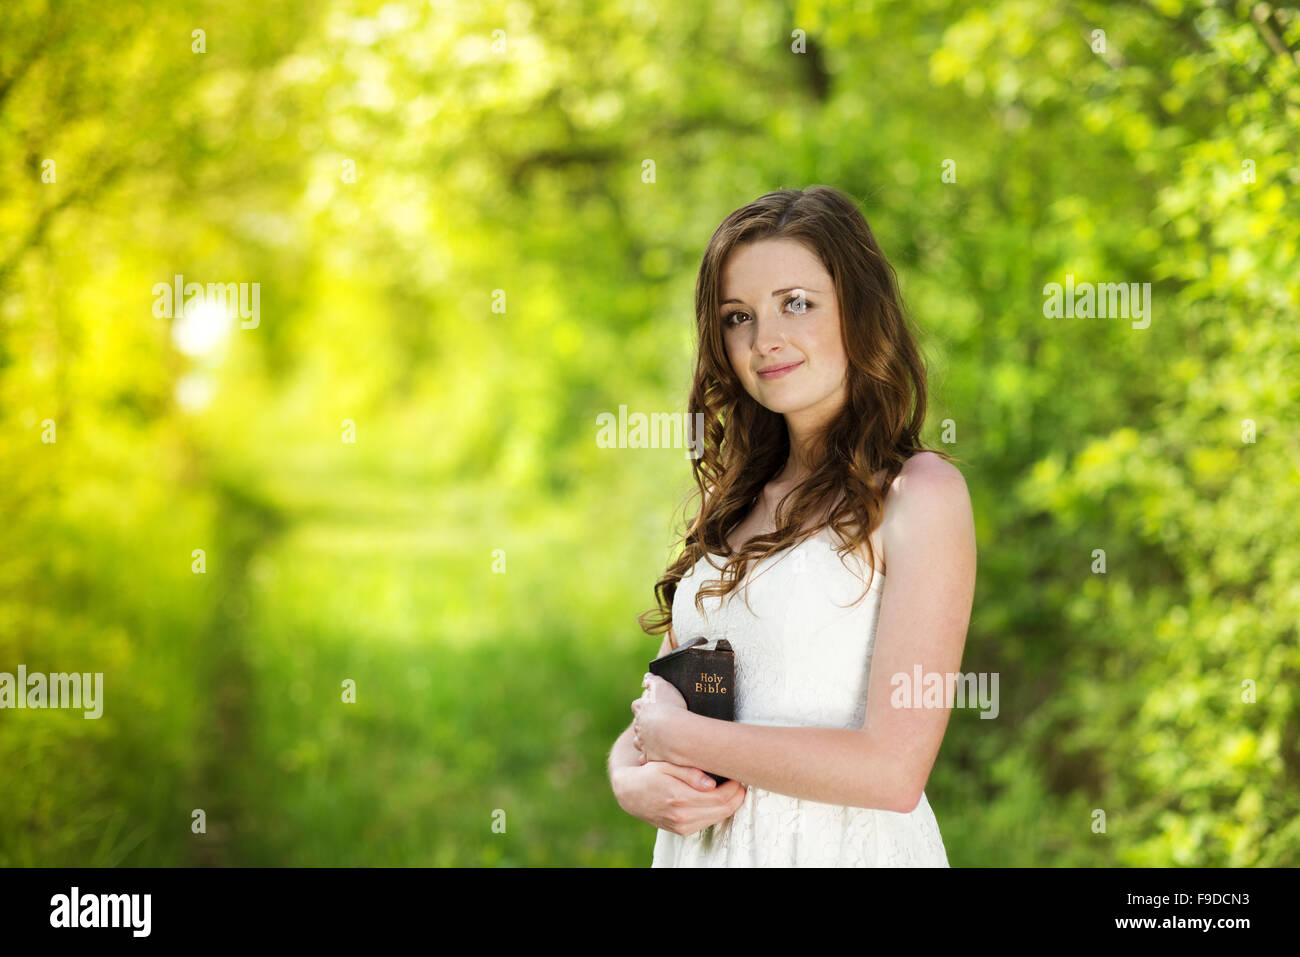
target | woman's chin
x=781, y=404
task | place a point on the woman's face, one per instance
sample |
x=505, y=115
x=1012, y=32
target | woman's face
x=779, y=309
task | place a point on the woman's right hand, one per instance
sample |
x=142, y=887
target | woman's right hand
x=675, y=798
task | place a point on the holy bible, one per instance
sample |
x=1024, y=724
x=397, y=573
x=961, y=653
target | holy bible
x=704, y=677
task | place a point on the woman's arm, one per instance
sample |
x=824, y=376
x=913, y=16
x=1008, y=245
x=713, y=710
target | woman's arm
x=673, y=797
x=624, y=753
x=925, y=611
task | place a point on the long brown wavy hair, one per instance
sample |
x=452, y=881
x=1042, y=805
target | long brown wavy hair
x=745, y=444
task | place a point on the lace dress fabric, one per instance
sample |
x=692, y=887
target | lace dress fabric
x=803, y=657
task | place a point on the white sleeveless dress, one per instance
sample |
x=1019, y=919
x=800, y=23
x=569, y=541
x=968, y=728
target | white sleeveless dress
x=800, y=660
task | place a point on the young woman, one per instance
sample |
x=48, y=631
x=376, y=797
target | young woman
x=846, y=555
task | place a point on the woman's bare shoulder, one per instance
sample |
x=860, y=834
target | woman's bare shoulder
x=930, y=503
x=929, y=464
x=926, y=480
x=923, y=477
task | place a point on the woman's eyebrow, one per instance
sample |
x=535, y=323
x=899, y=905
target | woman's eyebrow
x=777, y=292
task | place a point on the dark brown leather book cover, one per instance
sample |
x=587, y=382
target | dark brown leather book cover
x=705, y=678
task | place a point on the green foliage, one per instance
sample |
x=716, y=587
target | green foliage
x=517, y=178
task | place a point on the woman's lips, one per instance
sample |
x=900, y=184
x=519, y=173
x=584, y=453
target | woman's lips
x=779, y=371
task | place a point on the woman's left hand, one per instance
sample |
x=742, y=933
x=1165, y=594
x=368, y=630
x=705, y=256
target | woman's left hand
x=655, y=712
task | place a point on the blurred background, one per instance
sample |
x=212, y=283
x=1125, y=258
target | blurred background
x=474, y=228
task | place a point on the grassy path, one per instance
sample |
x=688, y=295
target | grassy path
x=481, y=699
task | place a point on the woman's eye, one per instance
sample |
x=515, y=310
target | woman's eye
x=730, y=318
x=801, y=304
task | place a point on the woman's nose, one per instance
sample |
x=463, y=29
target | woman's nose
x=767, y=331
